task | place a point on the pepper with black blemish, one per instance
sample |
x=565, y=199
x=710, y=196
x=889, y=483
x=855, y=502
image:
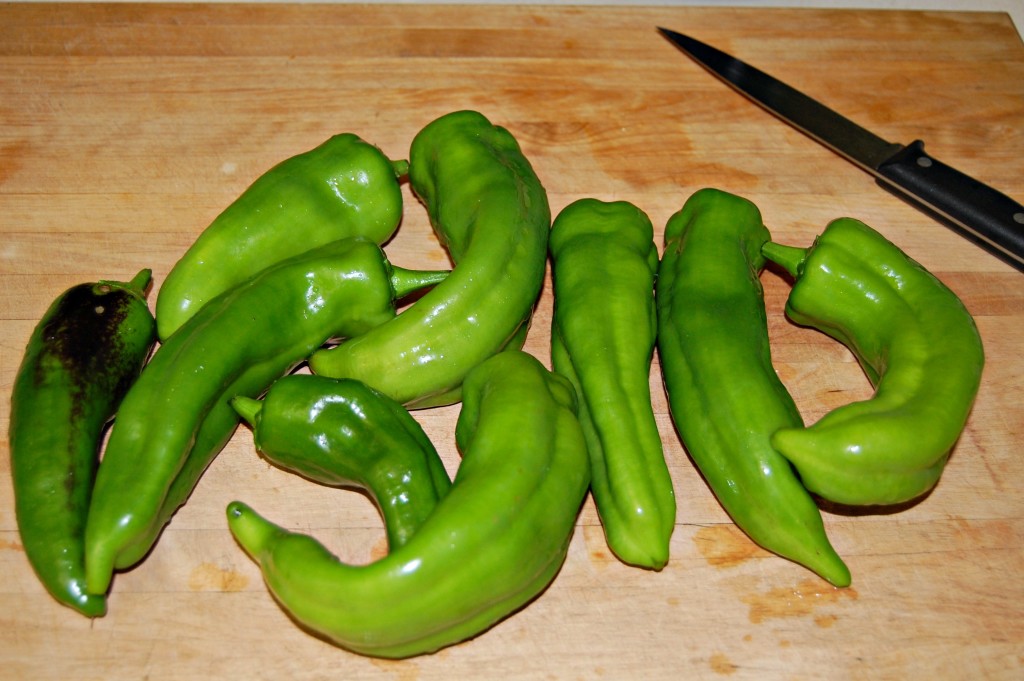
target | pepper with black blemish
x=82, y=357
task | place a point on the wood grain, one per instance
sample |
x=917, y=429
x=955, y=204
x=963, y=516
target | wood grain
x=124, y=129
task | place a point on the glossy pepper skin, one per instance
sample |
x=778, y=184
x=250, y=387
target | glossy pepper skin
x=344, y=433
x=919, y=347
x=178, y=416
x=604, y=262
x=344, y=187
x=83, y=355
x=725, y=397
x=491, y=212
x=492, y=544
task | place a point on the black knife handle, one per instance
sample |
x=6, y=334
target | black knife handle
x=994, y=220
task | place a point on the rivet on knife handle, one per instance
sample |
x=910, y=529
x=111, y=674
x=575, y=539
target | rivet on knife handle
x=987, y=217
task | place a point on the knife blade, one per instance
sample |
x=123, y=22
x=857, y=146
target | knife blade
x=975, y=210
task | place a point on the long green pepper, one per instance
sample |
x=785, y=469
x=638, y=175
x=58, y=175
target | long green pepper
x=491, y=213
x=492, y=544
x=604, y=329
x=345, y=187
x=178, y=416
x=344, y=433
x=84, y=353
x=918, y=346
x=724, y=395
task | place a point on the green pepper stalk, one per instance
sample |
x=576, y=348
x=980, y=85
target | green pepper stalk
x=725, y=397
x=918, y=346
x=178, y=416
x=343, y=433
x=491, y=212
x=604, y=263
x=344, y=187
x=86, y=351
x=492, y=544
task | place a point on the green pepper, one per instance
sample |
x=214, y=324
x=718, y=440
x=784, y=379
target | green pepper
x=725, y=397
x=178, y=416
x=344, y=187
x=344, y=433
x=916, y=342
x=604, y=263
x=492, y=544
x=83, y=355
x=491, y=213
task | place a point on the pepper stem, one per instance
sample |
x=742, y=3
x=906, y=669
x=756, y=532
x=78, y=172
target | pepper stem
x=401, y=167
x=140, y=282
x=789, y=257
x=248, y=408
x=404, y=282
x=137, y=286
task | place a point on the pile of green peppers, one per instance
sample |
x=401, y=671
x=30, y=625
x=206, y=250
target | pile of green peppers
x=294, y=275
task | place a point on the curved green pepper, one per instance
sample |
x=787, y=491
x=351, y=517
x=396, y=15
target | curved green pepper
x=724, y=395
x=919, y=347
x=492, y=544
x=83, y=355
x=344, y=187
x=344, y=433
x=490, y=211
x=604, y=262
x=177, y=416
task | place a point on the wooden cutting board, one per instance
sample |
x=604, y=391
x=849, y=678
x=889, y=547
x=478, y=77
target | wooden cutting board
x=124, y=129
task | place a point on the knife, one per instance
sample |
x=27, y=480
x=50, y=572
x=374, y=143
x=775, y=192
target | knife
x=978, y=212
